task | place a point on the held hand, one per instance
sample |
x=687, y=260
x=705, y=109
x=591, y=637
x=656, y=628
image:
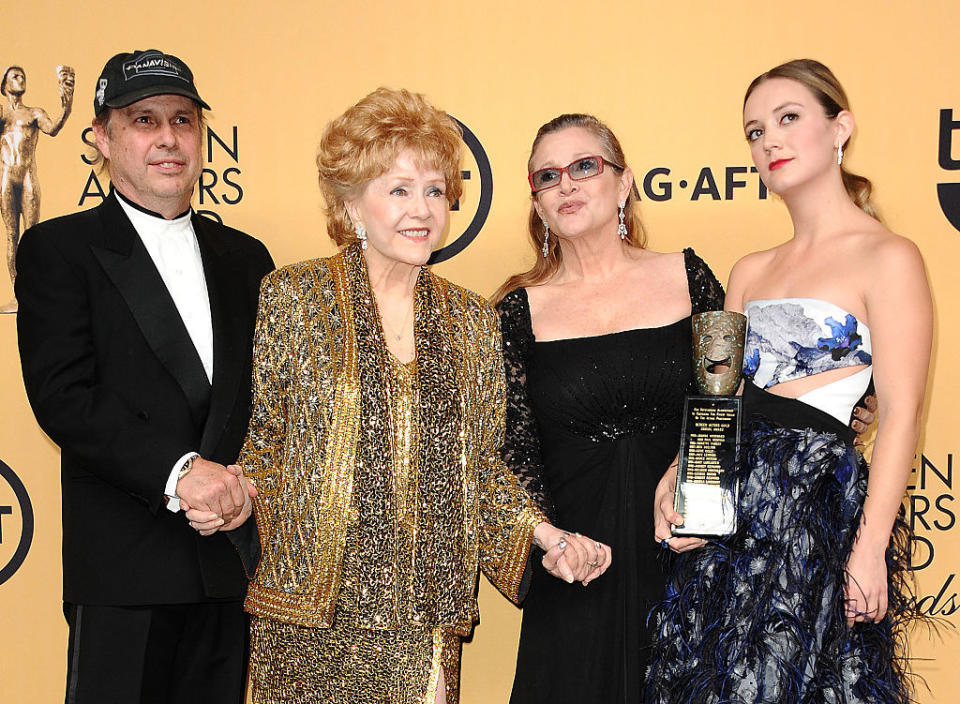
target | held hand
x=250, y=493
x=865, y=586
x=570, y=556
x=204, y=522
x=863, y=416
x=211, y=487
x=665, y=517
x=554, y=543
x=603, y=557
x=207, y=523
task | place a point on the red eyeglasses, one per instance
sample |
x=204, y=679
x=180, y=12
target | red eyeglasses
x=583, y=168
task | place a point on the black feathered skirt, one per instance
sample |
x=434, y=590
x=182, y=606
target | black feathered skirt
x=760, y=617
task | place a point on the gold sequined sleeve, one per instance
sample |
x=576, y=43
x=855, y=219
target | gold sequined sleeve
x=507, y=513
x=261, y=455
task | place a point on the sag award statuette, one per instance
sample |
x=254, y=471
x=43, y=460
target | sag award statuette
x=20, y=128
x=710, y=441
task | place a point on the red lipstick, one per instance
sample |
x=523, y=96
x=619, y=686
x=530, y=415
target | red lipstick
x=776, y=164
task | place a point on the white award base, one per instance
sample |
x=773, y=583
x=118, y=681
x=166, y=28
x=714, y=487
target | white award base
x=708, y=510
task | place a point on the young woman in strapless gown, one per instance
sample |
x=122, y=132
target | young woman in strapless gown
x=808, y=601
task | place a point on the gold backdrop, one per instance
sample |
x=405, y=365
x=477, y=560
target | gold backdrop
x=669, y=79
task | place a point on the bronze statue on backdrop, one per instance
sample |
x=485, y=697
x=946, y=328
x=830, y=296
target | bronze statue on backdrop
x=20, y=126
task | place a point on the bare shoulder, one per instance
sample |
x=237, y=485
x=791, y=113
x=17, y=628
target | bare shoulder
x=539, y=294
x=745, y=271
x=645, y=263
x=754, y=260
x=892, y=275
x=884, y=251
x=750, y=264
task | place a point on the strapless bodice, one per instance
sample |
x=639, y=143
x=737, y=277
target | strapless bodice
x=791, y=338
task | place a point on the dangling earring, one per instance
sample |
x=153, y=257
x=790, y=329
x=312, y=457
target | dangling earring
x=622, y=228
x=361, y=233
x=840, y=154
x=546, y=239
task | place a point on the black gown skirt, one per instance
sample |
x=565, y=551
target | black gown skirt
x=608, y=410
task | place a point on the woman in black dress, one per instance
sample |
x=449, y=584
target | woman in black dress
x=597, y=345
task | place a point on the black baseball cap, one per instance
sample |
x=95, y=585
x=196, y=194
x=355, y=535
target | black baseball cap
x=127, y=78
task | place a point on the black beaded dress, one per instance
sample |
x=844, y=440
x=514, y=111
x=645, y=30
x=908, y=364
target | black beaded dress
x=592, y=424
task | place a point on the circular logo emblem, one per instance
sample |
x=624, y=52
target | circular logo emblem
x=949, y=196
x=16, y=522
x=478, y=204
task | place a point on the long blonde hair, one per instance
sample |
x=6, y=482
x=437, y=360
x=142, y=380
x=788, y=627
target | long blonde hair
x=825, y=87
x=545, y=267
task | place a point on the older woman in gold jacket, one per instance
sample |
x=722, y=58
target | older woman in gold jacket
x=374, y=444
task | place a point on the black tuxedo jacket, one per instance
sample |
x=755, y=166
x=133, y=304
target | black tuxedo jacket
x=115, y=381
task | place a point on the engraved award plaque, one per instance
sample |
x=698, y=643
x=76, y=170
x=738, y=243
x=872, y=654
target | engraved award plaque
x=710, y=440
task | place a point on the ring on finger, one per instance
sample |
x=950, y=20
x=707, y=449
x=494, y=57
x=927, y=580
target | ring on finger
x=562, y=544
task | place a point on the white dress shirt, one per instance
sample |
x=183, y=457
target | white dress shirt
x=172, y=245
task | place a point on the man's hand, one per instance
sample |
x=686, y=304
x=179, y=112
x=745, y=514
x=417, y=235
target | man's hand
x=213, y=488
x=208, y=522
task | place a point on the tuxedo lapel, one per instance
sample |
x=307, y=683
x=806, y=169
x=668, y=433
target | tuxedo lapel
x=127, y=263
x=228, y=299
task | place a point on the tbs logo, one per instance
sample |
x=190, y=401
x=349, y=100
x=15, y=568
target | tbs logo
x=949, y=193
x=16, y=522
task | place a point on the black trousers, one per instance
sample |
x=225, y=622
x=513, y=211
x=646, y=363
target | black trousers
x=183, y=653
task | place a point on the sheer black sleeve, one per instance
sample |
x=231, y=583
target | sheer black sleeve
x=706, y=292
x=521, y=447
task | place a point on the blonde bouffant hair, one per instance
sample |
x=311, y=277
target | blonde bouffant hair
x=365, y=141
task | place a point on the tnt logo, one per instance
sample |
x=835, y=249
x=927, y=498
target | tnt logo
x=471, y=211
x=949, y=193
x=16, y=522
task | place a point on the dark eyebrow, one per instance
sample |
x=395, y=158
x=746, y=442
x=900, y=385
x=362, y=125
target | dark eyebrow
x=786, y=105
x=138, y=110
x=777, y=109
x=585, y=155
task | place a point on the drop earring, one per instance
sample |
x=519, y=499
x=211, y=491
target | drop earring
x=546, y=240
x=622, y=227
x=361, y=233
x=840, y=154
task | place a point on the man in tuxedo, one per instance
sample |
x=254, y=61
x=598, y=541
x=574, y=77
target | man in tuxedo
x=135, y=329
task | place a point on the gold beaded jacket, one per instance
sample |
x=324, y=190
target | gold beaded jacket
x=319, y=451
